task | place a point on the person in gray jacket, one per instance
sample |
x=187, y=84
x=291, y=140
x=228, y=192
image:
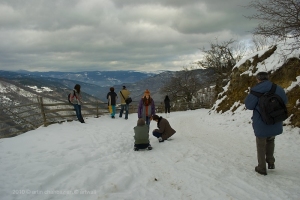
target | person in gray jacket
x=265, y=134
x=141, y=135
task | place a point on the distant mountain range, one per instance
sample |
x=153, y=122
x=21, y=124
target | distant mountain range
x=100, y=78
x=97, y=83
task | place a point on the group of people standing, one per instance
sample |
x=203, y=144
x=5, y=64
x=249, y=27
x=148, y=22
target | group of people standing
x=146, y=113
x=112, y=101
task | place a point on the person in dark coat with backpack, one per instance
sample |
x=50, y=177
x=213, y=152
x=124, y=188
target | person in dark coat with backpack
x=112, y=100
x=75, y=99
x=265, y=134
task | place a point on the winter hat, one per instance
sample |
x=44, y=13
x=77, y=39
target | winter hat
x=141, y=122
x=147, y=92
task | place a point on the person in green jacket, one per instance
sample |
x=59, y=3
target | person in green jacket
x=141, y=135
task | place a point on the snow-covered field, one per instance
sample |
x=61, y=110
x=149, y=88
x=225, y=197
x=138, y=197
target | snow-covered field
x=210, y=157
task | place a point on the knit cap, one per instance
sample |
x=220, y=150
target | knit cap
x=147, y=92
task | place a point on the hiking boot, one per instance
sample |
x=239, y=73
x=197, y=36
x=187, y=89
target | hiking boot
x=160, y=139
x=135, y=149
x=260, y=171
x=271, y=166
x=149, y=147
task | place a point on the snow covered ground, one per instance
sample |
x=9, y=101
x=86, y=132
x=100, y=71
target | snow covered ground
x=210, y=157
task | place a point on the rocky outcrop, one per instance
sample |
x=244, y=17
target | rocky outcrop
x=283, y=70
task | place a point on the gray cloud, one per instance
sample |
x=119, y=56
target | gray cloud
x=77, y=35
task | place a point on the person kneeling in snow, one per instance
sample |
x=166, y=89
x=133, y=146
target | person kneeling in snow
x=141, y=135
x=164, y=130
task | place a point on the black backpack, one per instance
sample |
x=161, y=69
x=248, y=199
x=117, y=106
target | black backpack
x=271, y=106
x=69, y=96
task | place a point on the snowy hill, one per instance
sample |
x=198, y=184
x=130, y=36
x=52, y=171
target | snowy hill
x=212, y=156
x=283, y=66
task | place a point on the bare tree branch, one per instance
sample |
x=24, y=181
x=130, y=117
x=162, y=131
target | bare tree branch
x=279, y=19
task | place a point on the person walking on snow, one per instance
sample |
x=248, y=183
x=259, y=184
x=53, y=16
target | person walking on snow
x=265, y=134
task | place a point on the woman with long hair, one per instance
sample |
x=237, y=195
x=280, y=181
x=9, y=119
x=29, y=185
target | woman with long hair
x=146, y=107
x=75, y=99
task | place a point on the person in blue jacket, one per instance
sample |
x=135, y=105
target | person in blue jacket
x=265, y=134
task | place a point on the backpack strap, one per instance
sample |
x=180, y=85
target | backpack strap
x=122, y=95
x=257, y=94
x=273, y=88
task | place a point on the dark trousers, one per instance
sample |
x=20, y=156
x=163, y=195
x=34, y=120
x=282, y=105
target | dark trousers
x=147, y=121
x=124, y=107
x=156, y=134
x=78, y=112
x=167, y=109
x=265, y=151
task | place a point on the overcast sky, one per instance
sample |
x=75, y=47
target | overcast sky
x=78, y=35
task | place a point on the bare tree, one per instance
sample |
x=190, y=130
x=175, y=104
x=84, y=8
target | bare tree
x=222, y=56
x=184, y=86
x=279, y=19
x=218, y=56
